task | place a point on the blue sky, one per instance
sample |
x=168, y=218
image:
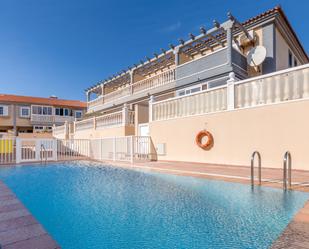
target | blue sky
x=60, y=47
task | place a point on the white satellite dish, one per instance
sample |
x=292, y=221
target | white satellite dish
x=256, y=56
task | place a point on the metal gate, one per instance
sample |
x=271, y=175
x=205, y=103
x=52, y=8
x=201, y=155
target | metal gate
x=33, y=150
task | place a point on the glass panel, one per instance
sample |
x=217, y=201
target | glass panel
x=1, y=110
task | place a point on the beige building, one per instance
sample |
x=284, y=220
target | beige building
x=23, y=114
x=245, y=82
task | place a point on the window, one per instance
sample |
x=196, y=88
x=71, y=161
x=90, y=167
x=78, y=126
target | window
x=78, y=114
x=63, y=112
x=24, y=112
x=290, y=59
x=42, y=110
x=4, y=110
x=189, y=90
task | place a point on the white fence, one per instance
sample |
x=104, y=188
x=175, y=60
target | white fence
x=25, y=150
x=128, y=148
x=69, y=149
x=285, y=85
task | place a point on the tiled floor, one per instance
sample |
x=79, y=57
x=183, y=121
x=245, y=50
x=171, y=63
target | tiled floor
x=18, y=228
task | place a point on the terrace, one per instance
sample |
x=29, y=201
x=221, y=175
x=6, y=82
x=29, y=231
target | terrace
x=215, y=52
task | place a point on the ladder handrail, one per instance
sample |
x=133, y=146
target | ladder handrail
x=256, y=153
x=43, y=149
x=287, y=170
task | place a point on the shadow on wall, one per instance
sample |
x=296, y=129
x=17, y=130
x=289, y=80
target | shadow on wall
x=153, y=151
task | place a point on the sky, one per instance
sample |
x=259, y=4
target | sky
x=61, y=47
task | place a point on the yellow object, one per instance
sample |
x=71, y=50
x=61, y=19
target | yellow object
x=6, y=146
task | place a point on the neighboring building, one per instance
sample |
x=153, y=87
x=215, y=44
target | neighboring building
x=23, y=114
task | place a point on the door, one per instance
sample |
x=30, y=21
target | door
x=143, y=129
x=142, y=142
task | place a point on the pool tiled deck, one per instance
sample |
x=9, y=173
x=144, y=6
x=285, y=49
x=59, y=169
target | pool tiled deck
x=18, y=228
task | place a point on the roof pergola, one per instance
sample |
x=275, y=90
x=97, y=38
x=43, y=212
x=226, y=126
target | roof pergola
x=219, y=35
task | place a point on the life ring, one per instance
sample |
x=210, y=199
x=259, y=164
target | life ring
x=199, y=137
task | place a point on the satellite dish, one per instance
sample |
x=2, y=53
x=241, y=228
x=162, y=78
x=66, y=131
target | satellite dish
x=256, y=56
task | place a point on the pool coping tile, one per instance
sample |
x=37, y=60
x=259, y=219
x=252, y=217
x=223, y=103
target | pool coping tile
x=18, y=228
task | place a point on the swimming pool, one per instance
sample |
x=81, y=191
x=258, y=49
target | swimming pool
x=87, y=207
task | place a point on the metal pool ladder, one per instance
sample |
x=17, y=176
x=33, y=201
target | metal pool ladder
x=43, y=149
x=287, y=171
x=254, y=154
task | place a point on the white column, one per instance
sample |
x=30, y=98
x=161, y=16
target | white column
x=176, y=53
x=231, y=91
x=125, y=115
x=18, y=150
x=66, y=130
x=37, y=150
x=55, y=150
x=151, y=101
x=306, y=83
x=94, y=123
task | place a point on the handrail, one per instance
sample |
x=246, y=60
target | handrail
x=256, y=153
x=43, y=149
x=287, y=171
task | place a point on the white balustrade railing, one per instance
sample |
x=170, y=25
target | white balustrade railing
x=285, y=85
x=109, y=120
x=59, y=130
x=50, y=118
x=119, y=93
x=145, y=84
x=86, y=124
x=290, y=84
x=155, y=81
x=211, y=100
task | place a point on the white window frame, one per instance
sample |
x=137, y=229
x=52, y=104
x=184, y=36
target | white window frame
x=5, y=111
x=188, y=89
x=21, y=111
x=78, y=111
x=42, y=107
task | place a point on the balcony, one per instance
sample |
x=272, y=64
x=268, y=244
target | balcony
x=287, y=85
x=50, y=119
x=142, y=88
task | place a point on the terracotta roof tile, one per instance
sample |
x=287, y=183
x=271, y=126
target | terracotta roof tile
x=8, y=98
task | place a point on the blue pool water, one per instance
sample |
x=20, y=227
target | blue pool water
x=85, y=207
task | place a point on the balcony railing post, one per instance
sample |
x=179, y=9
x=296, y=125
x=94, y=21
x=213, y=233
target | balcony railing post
x=151, y=101
x=94, y=123
x=231, y=92
x=125, y=114
x=18, y=150
x=66, y=128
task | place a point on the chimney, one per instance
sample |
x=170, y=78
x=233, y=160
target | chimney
x=53, y=97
